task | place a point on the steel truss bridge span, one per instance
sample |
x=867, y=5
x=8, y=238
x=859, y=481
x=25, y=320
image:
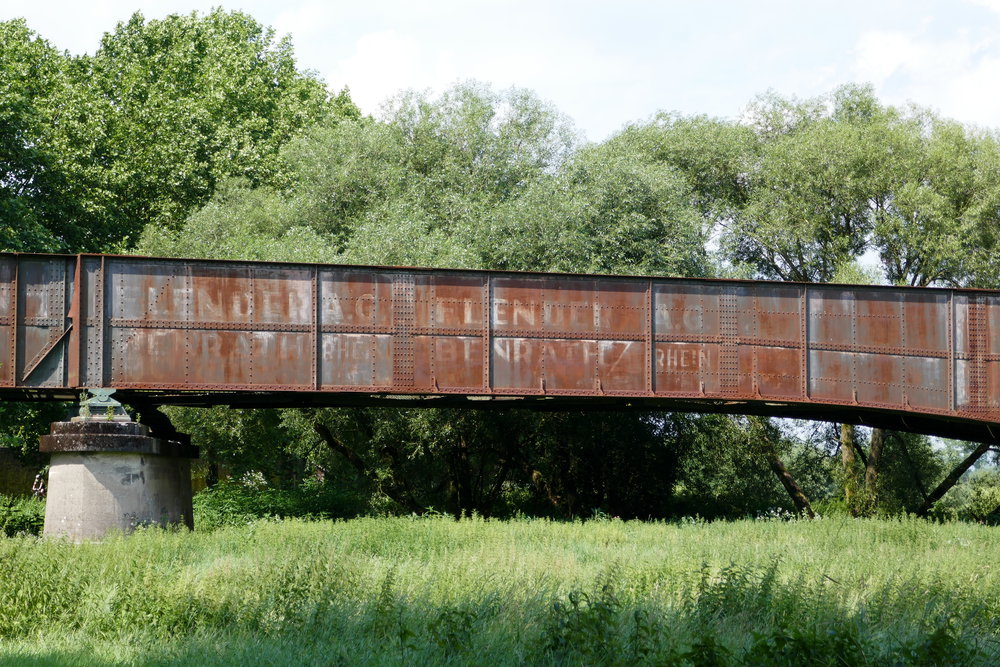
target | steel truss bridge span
x=254, y=334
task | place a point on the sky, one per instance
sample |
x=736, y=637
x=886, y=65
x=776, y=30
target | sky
x=605, y=64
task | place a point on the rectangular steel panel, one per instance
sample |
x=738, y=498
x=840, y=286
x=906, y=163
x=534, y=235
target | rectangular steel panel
x=449, y=302
x=926, y=319
x=517, y=363
x=776, y=315
x=517, y=303
x=280, y=358
x=620, y=366
x=571, y=365
x=831, y=317
x=279, y=296
x=145, y=291
x=927, y=383
x=220, y=294
x=448, y=362
x=832, y=376
x=687, y=368
x=621, y=307
x=571, y=307
x=44, y=293
x=356, y=360
x=685, y=310
x=778, y=372
x=879, y=319
x=355, y=298
x=879, y=379
x=149, y=356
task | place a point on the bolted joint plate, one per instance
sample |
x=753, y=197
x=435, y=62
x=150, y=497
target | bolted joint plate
x=111, y=436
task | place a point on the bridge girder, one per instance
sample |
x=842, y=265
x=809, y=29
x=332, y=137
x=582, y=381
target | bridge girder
x=251, y=334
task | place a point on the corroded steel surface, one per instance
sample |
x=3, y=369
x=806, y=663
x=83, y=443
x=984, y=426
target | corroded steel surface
x=244, y=333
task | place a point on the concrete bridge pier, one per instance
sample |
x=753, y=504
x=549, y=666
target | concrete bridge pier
x=111, y=474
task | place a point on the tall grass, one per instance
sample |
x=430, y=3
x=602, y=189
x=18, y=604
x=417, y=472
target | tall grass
x=437, y=591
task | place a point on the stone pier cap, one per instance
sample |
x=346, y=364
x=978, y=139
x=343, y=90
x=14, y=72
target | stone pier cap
x=113, y=435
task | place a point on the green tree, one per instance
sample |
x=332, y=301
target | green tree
x=735, y=466
x=818, y=178
x=192, y=99
x=608, y=210
x=51, y=197
x=712, y=155
x=462, y=180
x=940, y=224
x=93, y=149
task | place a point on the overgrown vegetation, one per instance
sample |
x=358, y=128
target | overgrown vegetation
x=433, y=590
x=21, y=516
x=239, y=504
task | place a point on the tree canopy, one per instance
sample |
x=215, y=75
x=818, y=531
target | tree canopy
x=96, y=148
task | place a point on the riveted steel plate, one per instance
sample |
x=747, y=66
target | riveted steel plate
x=251, y=333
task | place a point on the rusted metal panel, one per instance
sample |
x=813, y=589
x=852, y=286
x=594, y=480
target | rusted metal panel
x=974, y=359
x=92, y=321
x=235, y=332
x=620, y=366
x=42, y=296
x=518, y=365
x=8, y=312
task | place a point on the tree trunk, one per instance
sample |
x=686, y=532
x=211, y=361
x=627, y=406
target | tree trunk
x=461, y=479
x=918, y=481
x=872, y=469
x=952, y=478
x=848, y=462
x=213, y=474
x=793, y=489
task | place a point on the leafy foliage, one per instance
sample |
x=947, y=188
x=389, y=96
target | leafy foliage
x=50, y=188
x=21, y=516
x=193, y=99
x=478, y=179
x=231, y=503
x=94, y=148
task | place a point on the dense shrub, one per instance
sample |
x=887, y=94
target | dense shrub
x=21, y=516
x=976, y=499
x=235, y=503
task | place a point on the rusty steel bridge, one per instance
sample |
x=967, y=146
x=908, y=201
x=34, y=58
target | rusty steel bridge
x=253, y=334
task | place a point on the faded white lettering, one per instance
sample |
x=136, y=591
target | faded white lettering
x=513, y=313
x=680, y=359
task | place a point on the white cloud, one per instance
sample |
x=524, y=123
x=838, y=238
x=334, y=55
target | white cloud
x=385, y=62
x=305, y=22
x=992, y=5
x=605, y=64
x=956, y=74
x=881, y=54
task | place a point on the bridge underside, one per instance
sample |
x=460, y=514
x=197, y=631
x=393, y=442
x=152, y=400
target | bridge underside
x=197, y=332
x=937, y=425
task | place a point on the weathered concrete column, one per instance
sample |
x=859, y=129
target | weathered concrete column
x=111, y=474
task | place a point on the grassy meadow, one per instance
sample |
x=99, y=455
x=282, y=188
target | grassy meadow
x=438, y=591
